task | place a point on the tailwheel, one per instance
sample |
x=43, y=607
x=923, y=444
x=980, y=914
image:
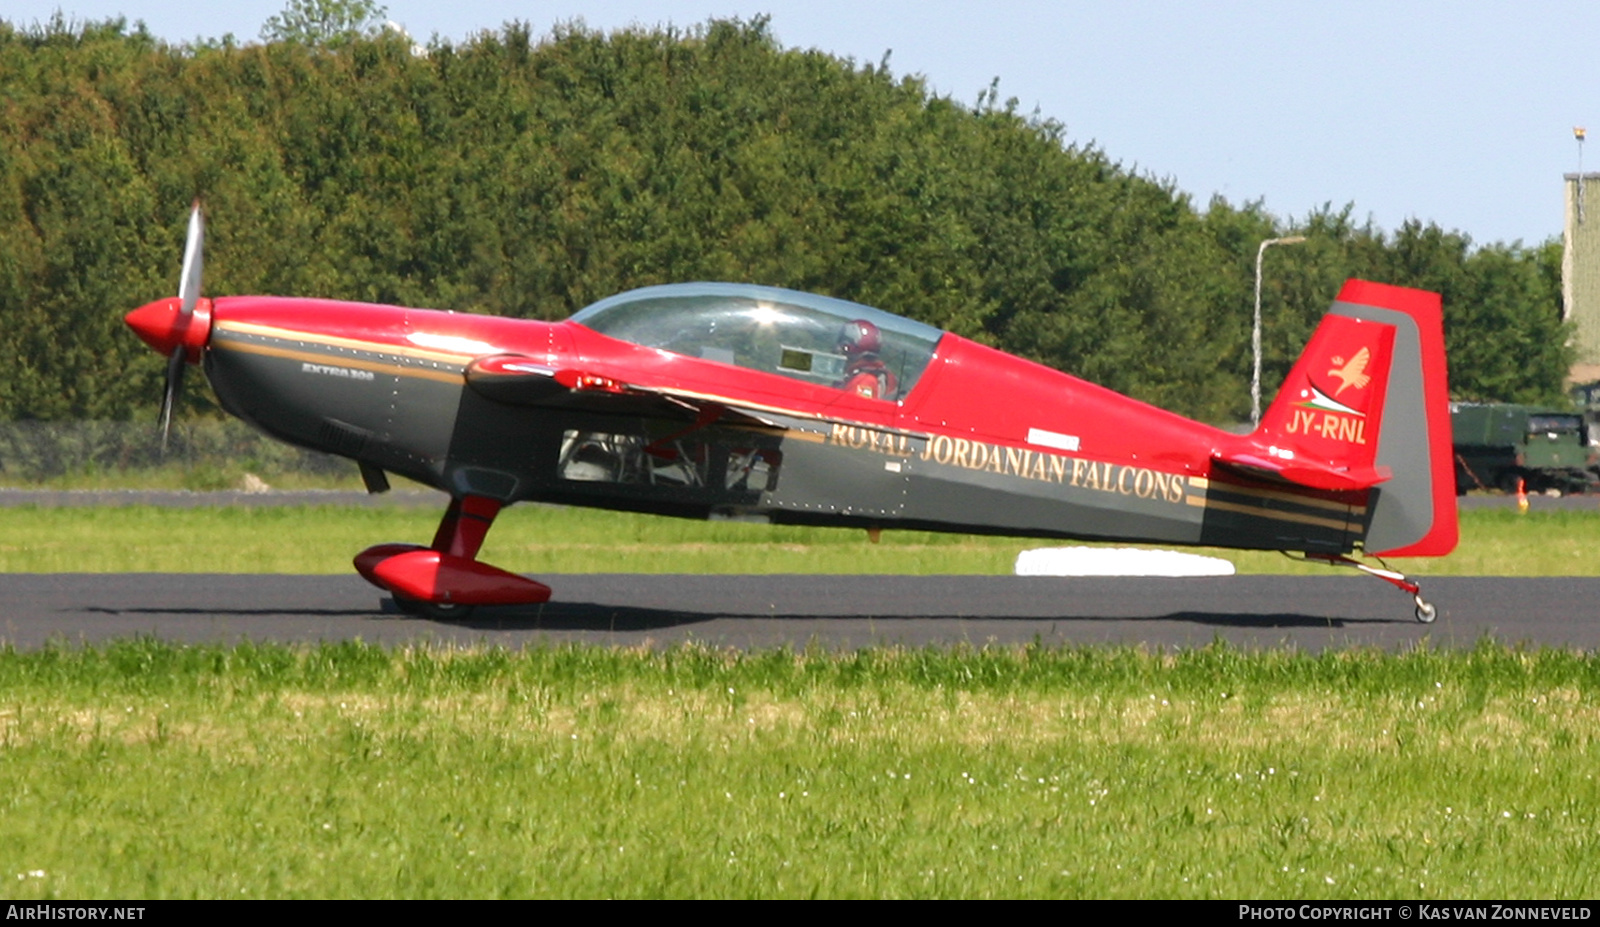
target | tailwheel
x=1425, y=611
x=436, y=611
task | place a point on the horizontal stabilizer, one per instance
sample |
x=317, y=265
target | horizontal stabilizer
x=1307, y=473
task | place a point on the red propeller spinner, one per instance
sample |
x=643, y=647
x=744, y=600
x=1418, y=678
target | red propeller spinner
x=162, y=325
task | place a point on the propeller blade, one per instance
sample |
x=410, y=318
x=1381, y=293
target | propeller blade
x=193, y=246
x=175, y=364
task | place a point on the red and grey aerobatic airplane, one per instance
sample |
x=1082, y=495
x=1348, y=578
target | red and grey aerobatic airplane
x=722, y=400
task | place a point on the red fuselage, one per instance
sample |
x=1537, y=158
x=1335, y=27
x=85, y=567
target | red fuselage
x=983, y=441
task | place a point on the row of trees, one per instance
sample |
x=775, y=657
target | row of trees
x=528, y=176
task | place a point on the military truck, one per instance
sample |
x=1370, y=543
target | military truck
x=1586, y=396
x=1499, y=444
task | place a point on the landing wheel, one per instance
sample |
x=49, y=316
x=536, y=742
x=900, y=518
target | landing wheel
x=1426, y=611
x=437, y=611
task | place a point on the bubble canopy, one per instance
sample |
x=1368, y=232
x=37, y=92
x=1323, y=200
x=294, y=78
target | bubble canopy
x=785, y=332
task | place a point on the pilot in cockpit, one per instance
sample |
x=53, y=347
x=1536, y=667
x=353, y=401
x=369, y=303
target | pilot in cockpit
x=865, y=373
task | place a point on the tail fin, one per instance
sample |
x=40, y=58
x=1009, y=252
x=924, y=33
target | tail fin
x=1367, y=405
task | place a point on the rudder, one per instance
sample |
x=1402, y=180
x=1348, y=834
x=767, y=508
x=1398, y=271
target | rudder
x=1369, y=399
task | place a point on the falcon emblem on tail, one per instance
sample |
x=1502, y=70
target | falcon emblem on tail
x=1353, y=373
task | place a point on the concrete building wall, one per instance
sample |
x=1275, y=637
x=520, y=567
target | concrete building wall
x=1580, y=271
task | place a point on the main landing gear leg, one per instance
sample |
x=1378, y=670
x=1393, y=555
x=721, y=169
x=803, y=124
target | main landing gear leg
x=1425, y=611
x=464, y=525
x=446, y=581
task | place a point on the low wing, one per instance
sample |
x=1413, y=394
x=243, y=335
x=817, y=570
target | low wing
x=521, y=381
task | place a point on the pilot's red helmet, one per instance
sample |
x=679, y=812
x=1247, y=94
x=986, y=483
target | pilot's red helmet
x=860, y=337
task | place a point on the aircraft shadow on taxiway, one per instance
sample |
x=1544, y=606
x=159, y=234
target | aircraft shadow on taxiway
x=234, y=612
x=588, y=616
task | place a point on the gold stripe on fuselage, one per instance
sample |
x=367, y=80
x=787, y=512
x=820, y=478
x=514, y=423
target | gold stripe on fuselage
x=354, y=344
x=1206, y=502
x=1279, y=495
x=340, y=360
x=810, y=437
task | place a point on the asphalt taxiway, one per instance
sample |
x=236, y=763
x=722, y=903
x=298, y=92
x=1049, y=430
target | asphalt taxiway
x=836, y=612
x=1308, y=612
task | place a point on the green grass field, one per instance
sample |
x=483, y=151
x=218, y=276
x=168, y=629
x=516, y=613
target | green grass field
x=149, y=770
x=545, y=539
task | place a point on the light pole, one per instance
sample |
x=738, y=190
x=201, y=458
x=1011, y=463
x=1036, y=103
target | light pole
x=1579, y=132
x=1255, y=333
